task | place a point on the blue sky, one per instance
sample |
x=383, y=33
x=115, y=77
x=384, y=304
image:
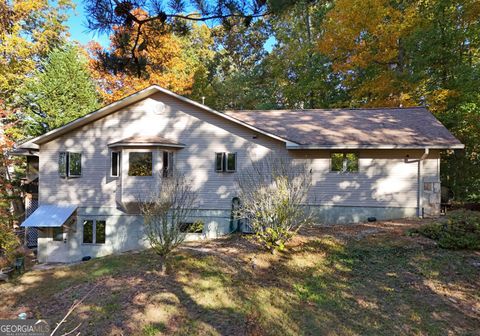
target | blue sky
x=78, y=29
x=80, y=33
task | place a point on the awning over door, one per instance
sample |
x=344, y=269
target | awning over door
x=50, y=216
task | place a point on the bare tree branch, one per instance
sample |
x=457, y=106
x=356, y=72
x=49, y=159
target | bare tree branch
x=72, y=308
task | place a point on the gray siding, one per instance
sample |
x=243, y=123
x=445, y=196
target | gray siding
x=202, y=133
x=384, y=180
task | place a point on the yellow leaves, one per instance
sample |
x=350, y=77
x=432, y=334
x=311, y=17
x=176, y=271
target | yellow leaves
x=438, y=99
x=364, y=40
x=386, y=90
x=23, y=44
x=171, y=62
x=360, y=32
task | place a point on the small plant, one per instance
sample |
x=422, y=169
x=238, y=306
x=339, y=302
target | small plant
x=273, y=193
x=460, y=230
x=165, y=212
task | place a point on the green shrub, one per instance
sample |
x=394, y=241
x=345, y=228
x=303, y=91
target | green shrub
x=459, y=230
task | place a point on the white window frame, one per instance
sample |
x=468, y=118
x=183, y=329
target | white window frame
x=119, y=159
x=94, y=231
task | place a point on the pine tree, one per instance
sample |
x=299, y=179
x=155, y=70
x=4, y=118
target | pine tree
x=61, y=91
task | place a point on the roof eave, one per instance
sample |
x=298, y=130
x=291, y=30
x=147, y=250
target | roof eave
x=298, y=147
x=23, y=152
x=145, y=144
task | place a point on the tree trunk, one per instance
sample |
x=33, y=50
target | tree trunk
x=163, y=265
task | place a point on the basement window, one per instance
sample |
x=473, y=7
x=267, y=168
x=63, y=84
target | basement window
x=94, y=231
x=57, y=233
x=192, y=227
x=344, y=162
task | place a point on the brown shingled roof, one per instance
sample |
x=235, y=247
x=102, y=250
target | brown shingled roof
x=349, y=128
x=140, y=140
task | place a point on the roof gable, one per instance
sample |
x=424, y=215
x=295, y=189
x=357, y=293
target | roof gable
x=134, y=98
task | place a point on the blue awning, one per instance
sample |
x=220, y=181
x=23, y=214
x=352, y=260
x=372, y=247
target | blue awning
x=49, y=216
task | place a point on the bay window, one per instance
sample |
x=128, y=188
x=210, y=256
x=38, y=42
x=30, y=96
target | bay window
x=140, y=164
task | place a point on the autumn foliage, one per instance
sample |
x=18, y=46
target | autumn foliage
x=168, y=60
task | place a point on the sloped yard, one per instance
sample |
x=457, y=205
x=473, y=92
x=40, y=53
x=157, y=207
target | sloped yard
x=355, y=280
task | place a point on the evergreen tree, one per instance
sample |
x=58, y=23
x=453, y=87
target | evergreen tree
x=61, y=91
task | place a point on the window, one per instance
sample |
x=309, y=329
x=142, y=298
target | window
x=62, y=164
x=115, y=164
x=94, y=231
x=140, y=164
x=344, y=162
x=231, y=162
x=225, y=162
x=88, y=232
x=167, y=164
x=70, y=164
x=57, y=234
x=100, y=231
x=428, y=186
x=219, y=159
x=192, y=227
x=74, y=164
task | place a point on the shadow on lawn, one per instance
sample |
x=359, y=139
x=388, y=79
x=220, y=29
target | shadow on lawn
x=324, y=285
x=378, y=287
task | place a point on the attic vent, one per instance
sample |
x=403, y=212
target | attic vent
x=159, y=108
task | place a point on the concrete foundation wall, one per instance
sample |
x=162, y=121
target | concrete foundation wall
x=125, y=232
x=345, y=214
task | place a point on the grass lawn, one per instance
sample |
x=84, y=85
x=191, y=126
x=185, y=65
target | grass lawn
x=349, y=280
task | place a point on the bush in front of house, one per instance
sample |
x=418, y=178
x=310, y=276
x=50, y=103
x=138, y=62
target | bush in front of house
x=273, y=193
x=459, y=230
x=165, y=213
